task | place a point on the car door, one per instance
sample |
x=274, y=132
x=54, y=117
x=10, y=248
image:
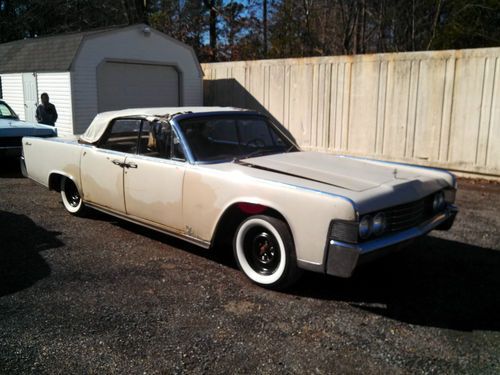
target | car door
x=153, y=178
x=102, y=167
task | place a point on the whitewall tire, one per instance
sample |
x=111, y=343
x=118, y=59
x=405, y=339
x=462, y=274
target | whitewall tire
x=71, y=198
x=264, y=250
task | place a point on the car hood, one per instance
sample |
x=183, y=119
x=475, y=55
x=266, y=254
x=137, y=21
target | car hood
x=17, y=128
x=338, y=171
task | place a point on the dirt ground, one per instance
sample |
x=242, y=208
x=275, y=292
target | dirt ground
x=99, y=295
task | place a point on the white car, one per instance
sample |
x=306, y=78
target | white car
x=212, y=175
x=12, y=130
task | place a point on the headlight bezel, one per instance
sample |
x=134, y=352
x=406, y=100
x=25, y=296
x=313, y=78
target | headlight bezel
x=438, y=202
x=365, y=223
x=379, y=223
x=375, y=224
x=349, y=230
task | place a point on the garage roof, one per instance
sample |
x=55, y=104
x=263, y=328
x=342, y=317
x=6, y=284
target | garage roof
x=52, y=53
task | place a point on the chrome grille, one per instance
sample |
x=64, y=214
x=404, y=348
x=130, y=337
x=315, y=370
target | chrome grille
x=409, y=215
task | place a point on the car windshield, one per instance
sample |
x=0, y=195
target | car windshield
x=230, y=137
x=6, y=112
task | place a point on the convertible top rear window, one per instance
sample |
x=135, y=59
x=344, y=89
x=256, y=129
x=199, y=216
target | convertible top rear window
x=229, y=137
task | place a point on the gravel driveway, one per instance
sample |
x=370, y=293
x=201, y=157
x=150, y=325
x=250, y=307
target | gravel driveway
x=99, y=295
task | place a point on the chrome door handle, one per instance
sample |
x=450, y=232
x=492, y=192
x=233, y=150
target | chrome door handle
x=28, y=143
x=131, y=165
x=117, y=162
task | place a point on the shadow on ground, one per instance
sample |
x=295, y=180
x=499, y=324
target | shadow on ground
x=435, y=282
x=222, y=255
x=21, y=242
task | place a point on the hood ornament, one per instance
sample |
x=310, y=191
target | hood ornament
x=395, y=173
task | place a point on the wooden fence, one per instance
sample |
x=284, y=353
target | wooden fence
x=438, y=108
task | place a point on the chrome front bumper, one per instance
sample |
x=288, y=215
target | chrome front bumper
x=342, y=258
x=22, y=163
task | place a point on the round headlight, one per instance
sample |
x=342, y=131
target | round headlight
x=365, y=227
x=438, y=203
x=379, y=223
x=442, y=202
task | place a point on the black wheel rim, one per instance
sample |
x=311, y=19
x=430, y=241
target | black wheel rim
x=72, y=194
x=262, y=250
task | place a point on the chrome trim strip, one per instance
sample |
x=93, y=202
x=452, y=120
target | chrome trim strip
x=393, y=239
x=195, y=241
x=310, y=266
x=11, y=147
x=187, y=150
x=110, y=152
x=178, y=163
x=22, y=163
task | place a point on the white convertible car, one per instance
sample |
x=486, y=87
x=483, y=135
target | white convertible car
x=210, y=175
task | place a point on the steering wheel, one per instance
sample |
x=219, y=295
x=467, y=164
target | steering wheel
x=256, y=142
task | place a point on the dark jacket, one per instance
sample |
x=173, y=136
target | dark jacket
x=46, y=114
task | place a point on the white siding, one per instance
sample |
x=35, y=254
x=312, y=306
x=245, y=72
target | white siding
x=193, y=91
x=58, y=86
x=129, y=44
x=12, y=87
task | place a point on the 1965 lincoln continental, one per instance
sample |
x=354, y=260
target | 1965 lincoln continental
x=209, y=175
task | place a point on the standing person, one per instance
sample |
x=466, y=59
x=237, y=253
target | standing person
x=46, y=112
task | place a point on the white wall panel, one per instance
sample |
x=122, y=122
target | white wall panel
x=12, y=90
x=58, y=87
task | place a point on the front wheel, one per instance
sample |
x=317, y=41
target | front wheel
x=264, y=250
x=71, y=198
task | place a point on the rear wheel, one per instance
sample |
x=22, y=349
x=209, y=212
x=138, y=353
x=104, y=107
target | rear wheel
x=264, y=250
x=71, y=198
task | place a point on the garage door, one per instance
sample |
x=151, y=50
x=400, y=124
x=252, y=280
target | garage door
x=124, y=85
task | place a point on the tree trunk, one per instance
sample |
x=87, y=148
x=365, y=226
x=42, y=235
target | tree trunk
x=264, y=23
x=434, y=24
x=140, y=8
x=210, y=4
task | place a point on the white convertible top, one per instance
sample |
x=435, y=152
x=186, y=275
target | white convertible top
x=101, y=121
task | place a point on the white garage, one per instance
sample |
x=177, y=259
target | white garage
x=91, y=72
